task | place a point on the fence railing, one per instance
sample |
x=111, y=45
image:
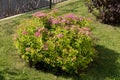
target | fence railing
x=13, y=7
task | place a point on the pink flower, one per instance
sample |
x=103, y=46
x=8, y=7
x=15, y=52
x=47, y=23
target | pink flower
x=81, y=30
x=55, y=21
x=24, y=32
x=86, y=28
x=88, y=33
x=85, y=31
x=67, y=22
x=67, y=27
x=40, y=29
x=51, y=17
x=71, y=16
x=60, y=35
x=39, y=14
x=37, y=34
x=76, y=18
x=60, y=17
x=63, y=21
x=81, y=18
x=27, y=49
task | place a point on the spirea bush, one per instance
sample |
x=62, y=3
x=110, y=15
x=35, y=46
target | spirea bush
x=107, y=10
x=58, y=41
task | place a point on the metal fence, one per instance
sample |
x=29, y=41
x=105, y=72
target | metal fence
x=13, y=7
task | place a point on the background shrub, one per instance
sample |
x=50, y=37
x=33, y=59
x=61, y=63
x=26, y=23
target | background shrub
x=63, y=42
x=108, y=10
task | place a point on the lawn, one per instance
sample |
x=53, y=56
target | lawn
x=105, y=67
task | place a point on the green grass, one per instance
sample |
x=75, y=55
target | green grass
x=105, y=67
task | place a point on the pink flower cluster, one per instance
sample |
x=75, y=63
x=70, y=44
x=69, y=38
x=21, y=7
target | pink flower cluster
x=39, y=14
x=27, y=49
x=38, y=32
x=54, y=21
x=67, y=27
x=68, y=19
x=63, y=20
x=40, y=29
x=60, y=35
x=71, y=16
x=24, y=32
x=81, y=18
x=85, y=30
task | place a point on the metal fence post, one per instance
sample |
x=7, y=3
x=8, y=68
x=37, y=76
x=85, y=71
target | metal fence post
x=50, y=4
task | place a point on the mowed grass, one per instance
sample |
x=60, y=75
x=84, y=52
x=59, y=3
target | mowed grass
x=105, y=67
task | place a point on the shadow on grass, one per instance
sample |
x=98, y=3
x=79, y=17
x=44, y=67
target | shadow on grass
x=1, y=76
x=105, y=66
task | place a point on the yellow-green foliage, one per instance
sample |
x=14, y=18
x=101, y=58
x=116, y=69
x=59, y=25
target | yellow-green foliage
x=59, y=41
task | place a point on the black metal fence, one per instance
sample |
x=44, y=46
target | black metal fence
x=13, y=7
